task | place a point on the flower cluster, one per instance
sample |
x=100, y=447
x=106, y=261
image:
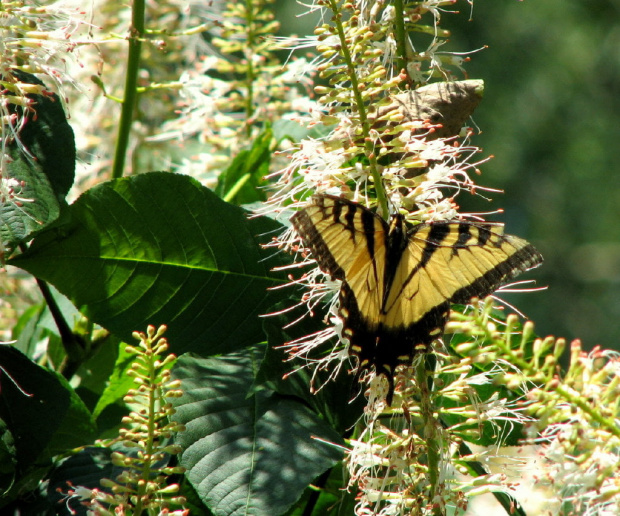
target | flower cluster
x=418, y=460
x=392, y=148
x=217, y=65
x=578, y=427
x=572, y=416
x=383, y=145
x=146, y=437
x=39, y=39
x=33, y=40
x=235, y=89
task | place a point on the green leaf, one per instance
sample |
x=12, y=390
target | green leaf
x=241, y=182
x=40, y=169
x=250, y=454
x=29, y=331
x=41, y=410
x=95, y=371
x=119, y=383
x=49, y=138
x=34, y=206
x=286, y=129
x=159, y=248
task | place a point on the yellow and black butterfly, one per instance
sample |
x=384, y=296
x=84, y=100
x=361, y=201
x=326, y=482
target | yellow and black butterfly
x=398, y=283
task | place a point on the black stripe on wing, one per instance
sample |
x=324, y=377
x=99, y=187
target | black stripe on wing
x=518, y=262
x=311, y=237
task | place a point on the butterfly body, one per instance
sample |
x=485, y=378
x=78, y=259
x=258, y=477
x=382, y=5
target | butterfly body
x=398, y=283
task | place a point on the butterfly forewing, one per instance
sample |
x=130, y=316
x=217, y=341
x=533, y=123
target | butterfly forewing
x=337, y=234
x=474, y=260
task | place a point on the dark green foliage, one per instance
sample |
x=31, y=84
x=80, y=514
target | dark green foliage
x=40, y=167
x=42, y=417
x=247, y=452
x=47, y=137
x=160, y=248
x=337, y=399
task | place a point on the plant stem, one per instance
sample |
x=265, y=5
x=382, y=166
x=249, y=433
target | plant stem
x=431, y=434
x=74, y=345
x=249, y=73
x=361, y=108
x=136, y=33
x=401, y=37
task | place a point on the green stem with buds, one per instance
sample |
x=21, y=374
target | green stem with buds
x=361, y=108
x=401, y=36
x=431, y=432
x=250, y=75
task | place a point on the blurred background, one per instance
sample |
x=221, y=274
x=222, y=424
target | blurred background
x=551, y=117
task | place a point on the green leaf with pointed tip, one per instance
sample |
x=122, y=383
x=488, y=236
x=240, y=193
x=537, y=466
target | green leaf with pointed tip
x=119, y=382
x=241, y=182
x=159, y=248
x=246, y=454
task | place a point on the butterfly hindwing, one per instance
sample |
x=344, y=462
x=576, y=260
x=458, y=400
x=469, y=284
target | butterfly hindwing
x=397, y=284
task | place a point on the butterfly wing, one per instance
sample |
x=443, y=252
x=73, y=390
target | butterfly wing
x=348, y=242
x=451, y=262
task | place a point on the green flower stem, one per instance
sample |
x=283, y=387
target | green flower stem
x=361, y=107
x=401, y=36
x=131, y=82
x=250, y=75
x=149, y=447
x=160, y=86
x=198, y=29
x=430, y=433
x=576, y=400
x=236, y=187
x=534, y=369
